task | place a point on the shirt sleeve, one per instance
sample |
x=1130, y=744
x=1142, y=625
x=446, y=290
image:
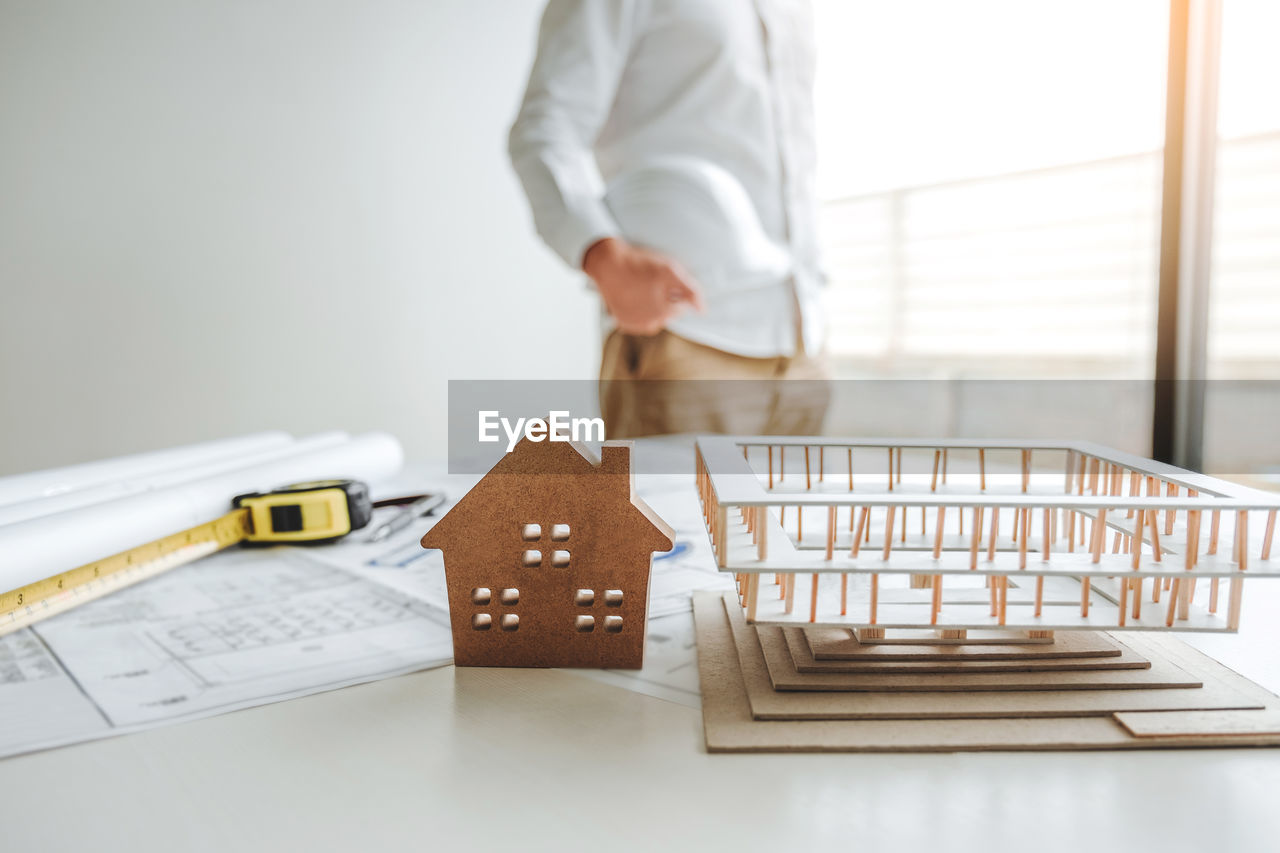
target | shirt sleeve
x=582, y=50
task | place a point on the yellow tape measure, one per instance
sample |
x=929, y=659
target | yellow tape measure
x=308, y=512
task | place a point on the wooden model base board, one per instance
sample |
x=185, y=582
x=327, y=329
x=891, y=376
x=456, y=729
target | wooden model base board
x=768, y=704
x=1184, y=723
x=840, y=644
x=1160, y=675
x=929, y=638
x=925, y=722
x=805, y=663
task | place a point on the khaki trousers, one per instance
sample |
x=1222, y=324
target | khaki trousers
x=665, y=384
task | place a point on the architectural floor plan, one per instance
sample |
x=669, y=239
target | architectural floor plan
x=235, y=630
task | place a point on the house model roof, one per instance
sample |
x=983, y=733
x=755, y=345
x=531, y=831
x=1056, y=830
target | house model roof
x=563, y=475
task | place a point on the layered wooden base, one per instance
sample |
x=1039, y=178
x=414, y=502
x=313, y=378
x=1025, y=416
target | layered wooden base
x=1191, y=701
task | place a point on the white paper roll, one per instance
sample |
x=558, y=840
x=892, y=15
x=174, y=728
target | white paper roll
x=24, y=510
x=41, y=547
x=55, y=481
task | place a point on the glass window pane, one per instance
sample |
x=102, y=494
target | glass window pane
x=1242, y=405
x=990, y=176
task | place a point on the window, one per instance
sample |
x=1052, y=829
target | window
x=532, y=559
x=559, y=533
x=560, y=559
x=585, y=624
x=510, y=622
x=1242, y=400
x=531, y=532
x=585, y=598
x=480, y=595
x=999, y=219
x=481, y=621
x=510, y=597
x=612, y=624
x=613, y=598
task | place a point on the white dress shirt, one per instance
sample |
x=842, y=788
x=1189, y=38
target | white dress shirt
x=687, y=126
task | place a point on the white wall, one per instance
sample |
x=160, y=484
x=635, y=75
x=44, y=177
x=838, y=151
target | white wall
x=218, y=216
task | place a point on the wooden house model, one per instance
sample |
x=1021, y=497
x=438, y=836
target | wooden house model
x=547, y=560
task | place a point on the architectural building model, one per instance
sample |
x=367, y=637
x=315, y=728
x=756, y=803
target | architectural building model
x=1027, y=537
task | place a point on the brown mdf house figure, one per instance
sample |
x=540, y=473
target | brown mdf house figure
x=547, y=560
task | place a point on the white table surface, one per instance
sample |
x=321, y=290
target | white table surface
x=479, y=759
x=538, y=760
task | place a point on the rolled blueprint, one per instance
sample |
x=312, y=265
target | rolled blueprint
x=71, y=478
x=41, y=547
x=24, y=510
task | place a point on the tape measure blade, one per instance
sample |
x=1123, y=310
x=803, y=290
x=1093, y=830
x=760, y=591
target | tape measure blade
x=60, y=593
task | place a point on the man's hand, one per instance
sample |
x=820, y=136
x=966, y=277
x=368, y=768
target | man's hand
x=643, y=290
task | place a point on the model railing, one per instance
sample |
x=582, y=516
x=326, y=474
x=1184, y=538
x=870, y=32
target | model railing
x=1081, y=544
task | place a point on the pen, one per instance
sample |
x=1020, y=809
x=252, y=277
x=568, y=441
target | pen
x=406, y=515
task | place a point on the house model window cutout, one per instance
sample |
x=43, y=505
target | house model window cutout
x=547, y=560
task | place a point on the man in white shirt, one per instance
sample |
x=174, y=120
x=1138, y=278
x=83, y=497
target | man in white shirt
x=667, y=150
